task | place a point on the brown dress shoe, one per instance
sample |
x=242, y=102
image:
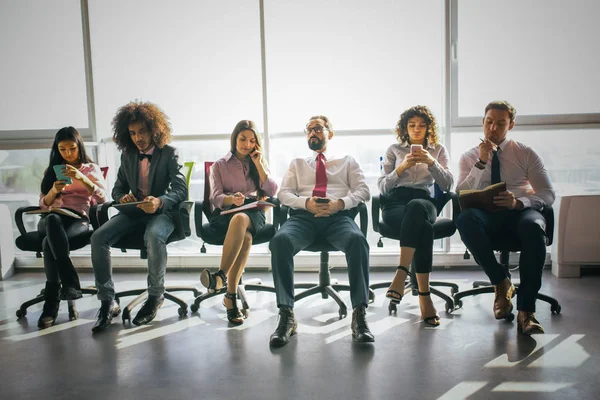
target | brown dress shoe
x=502, y=304
x=527, y=324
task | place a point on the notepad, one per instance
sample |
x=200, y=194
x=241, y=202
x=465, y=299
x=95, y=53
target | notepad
x=482, y=199
x=255, y=205
x=56, y=210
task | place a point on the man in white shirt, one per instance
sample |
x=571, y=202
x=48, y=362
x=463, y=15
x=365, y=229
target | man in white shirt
x=499, y=159
x=321, y=190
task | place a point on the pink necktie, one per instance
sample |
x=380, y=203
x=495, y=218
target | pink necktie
x=320, y=189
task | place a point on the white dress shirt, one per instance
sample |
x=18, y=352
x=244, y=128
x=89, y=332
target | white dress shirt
x=345, y=180
x=520, y=167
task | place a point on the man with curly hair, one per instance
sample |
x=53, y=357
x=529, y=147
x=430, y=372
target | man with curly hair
x=500, y=159
x=150, y=171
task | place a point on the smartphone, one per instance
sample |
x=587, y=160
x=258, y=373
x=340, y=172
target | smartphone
x=322, y=200
x=58, y=170
x=415, y=147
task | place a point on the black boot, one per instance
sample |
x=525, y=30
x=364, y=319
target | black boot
x=108, y=310
x=71, y=288
x=51, y=305
x=148, y=311
x=286, y=327
x=360, y=329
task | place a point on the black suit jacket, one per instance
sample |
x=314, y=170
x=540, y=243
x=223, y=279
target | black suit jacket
x=165, y=179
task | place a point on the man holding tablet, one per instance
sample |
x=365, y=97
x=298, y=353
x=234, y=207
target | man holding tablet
x=150, y=173
x=321, y=190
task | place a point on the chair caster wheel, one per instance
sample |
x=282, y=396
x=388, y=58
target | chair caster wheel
x=245, y=312
x=449, y=308
x=182, y=311
x=458, y=303
x=371, y=296
x=510, y=317
x=194, y=308
x=556, y=310
x=126, y=316
x=343, y=313
x=73, y=313
x=392, y=309
x=21, y=313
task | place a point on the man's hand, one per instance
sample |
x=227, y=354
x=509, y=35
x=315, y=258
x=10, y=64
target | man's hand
x=323, y=209
x=507, y=200
x=128, y=198
x=152, y=204
x=485, y=150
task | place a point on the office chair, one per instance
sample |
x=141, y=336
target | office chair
x=32, y=241
x=442, y=228
x=181, y=217
x=207, y=234
x=327, y=286
x=506, y=244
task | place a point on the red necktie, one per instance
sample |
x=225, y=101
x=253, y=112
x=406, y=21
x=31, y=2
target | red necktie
x=320, y=189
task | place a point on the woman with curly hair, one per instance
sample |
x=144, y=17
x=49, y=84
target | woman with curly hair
x=150, y=172
x=87, y=185
x=410, y=168
x=242, y=176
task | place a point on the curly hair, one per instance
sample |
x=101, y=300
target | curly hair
x=66, y=133
x=147, y=113
x=244, y=125
x=431, y=138
x=502, y=105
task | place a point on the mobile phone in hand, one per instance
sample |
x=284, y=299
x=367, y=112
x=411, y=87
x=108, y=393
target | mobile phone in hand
x=58, y=170
x=322, y=200
x=415, y=147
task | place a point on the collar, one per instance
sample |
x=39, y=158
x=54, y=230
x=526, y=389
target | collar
x=230, y=156
x=325, y=154
x=151, y=151
x=505, y=144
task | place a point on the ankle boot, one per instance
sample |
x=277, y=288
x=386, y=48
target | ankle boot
x=51, y=305
x=360, y=329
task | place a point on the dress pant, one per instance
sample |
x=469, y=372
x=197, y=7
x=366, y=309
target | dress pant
x=57, y=230
x=156, y=229
x=478, y=229
x=300, y=231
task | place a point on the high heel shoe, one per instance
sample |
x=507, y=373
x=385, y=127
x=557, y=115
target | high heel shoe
x=433, y=320
x=210, y=282
x=394, y=295
x=234, y=315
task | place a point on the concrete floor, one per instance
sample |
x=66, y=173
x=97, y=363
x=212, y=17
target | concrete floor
x=471, y=355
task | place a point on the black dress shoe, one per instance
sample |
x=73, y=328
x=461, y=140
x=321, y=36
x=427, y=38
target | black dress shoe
x=70, y=293
x=108, y=310
x=285, y=329
x=149, y=309
x=360, y=329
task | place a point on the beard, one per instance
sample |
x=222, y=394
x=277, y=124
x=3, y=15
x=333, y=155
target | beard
x=316, y=144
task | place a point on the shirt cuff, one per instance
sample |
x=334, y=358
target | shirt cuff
x=526, y=202
x=347, y=203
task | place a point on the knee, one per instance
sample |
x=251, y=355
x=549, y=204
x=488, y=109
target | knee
x=52, y=220
x=153, y=237
x=98, y=238
x=357, y=239
x=240, y=220
x=529, y=229
x=467, y=219
x=280, y=242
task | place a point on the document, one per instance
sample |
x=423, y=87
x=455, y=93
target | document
x=255, y=205
x=56, y=210
x=483, y=199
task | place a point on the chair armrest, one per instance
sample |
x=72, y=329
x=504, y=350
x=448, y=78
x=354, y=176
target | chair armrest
x=548, y=213
x=375, y=205
x=283, y=214
x=102, y=213
x=19, y=217
x=93, y=215
x=455, y=205
x=276, y=211
x=364, y=218
x=181, y=217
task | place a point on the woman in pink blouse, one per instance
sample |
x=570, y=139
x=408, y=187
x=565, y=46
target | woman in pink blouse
x=88, y=185
x=242, y=176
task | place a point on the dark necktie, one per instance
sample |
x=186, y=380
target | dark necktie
x=495, y=168
x=148, y=156
x=320, y=189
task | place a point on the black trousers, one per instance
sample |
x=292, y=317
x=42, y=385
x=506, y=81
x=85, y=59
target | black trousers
x=413, y=219
x=300, y=231
x=57, y=231
x=478, y=229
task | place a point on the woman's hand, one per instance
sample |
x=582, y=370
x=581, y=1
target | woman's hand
x=59, y=187
x=73, y=173
x=408, y=162
x=423, y=156
x=238, y=199
x=257, y=157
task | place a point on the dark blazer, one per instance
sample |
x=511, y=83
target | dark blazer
x=165, y=179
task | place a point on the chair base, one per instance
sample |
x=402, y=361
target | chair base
x=252, y=284
x=73, y=314
x=480, y=287
x=142, y=294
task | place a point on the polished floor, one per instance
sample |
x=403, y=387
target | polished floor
x=471, y=355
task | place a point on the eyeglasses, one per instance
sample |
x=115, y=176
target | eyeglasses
x=317, y=129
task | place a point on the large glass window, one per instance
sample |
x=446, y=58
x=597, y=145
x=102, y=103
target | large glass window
x=42, y=84
x=537, y=54
x=198, y=60
x=360, y=63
